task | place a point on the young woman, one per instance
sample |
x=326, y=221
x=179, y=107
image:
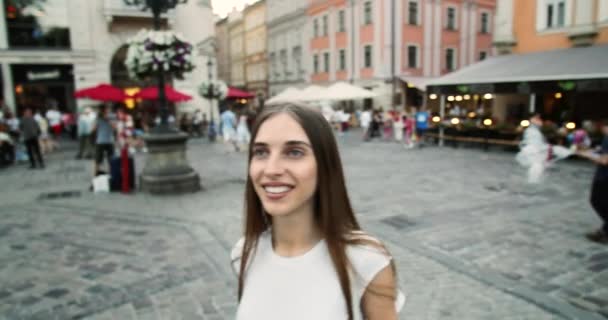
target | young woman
x=303, y=254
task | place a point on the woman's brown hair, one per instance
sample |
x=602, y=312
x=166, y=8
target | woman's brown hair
x=334, y=215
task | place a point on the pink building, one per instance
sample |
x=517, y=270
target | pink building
x=351, y=40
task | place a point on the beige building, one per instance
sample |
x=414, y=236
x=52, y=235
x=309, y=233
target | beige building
x=256, y=64
x=223, y=50
x=236, y=49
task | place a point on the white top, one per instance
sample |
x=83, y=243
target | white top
x=54, y=117
x=304, y=287
x=366, y=118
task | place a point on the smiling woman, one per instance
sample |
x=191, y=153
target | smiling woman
x=303, y=254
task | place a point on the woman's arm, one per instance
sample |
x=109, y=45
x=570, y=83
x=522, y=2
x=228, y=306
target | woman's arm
x=379, y=298
x=601, y=159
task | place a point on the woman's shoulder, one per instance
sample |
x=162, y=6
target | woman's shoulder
x=367, y=254
x=237, y=251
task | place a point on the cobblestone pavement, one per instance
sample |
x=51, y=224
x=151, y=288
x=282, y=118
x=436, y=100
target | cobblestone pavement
x=471, y=240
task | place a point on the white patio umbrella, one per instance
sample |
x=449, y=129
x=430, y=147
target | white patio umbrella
x=284, y=96
x=347, y=91
x=311, y=93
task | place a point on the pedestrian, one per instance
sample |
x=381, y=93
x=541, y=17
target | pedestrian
x=422, y=124
x=303, y=254
x=53, y=116
x=242, y=132
x=45, y=141
x=599, y=187
x=387, y=127
x=31, y=131
x=85, y=128
x=197, y=121
x=228, y=123
x=104, y=138
x=408, y=123
x=398, y=126
x=535, y=153
x=365, y=120
x=376, y=123
x=7, y=147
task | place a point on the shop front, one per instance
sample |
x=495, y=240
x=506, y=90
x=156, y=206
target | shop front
x=41, y=86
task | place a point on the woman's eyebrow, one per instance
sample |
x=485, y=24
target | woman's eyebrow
x=288, y=143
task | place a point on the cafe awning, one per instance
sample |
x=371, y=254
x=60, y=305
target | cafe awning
x=584, y=67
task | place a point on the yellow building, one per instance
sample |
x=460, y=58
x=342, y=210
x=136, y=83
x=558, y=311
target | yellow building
x=256, y=69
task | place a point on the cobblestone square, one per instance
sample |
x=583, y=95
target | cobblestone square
x=471, y=239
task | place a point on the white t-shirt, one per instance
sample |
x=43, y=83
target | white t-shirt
x=366, y=118
x=304, y=287
x=54, y=117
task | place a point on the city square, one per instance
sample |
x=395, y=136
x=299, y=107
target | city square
x=471, y=239
x=175, y=159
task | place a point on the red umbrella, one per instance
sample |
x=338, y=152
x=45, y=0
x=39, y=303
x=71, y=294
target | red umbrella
x=102, y=92
x=234, y=93
x=151, y=93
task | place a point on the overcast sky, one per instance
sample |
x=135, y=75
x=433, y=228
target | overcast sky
x=223, y=7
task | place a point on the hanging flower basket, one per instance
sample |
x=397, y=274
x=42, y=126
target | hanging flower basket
x=151, y=52
x=220, y=90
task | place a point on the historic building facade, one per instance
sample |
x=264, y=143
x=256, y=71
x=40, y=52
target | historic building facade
x=66, y=45
x=256, y=66
x=287, y=48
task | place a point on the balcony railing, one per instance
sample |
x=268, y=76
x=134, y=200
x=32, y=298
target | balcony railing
x=118, y=8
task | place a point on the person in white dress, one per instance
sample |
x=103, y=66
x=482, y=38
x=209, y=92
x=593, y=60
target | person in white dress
x=242, y=132
x=535, y=153
x=303, y=254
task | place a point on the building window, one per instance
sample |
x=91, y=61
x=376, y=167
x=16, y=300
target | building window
x=325, y=26
x=450, y=59
x=482, y=55
x=413, y=13
x=37, y=24
x=556, y=13
x=316, y=63
x=561, y=14
x=367, y=57
x=412, y=56
x=342, y=60
x=284, y=62
x=485, y=23
x=367, y=12
x=341, y=21
x=315, y=24
x=297, y=59
x=451, y=19
x=273, y=65
x=326, y=62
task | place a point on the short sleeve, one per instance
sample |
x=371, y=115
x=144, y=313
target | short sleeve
x=235, y=255
x=367, y=261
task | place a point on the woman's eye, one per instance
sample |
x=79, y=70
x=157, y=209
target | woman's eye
x=295, y=153
x=259, y=153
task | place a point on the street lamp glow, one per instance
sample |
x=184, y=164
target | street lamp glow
x=558, y=95
x=410, y=85
x=432, y=96
x=450, y=98
x=487, y=96
x=524, y=123
x=467, y=97
x=458, y=98
x=472, y=114
x=455, y=121
x=487, y=122
x=570, y=125
x=436, y=119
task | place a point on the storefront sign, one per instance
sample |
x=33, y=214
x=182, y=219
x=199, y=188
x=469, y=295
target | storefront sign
x=43, y=75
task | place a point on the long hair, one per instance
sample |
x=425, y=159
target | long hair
x=333, y=213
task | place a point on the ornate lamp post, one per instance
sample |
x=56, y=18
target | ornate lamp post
x=212, y=131
x=167, y=169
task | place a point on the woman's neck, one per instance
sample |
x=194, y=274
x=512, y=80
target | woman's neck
x=294, y=234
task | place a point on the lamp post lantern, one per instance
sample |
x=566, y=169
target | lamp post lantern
x=166, y=169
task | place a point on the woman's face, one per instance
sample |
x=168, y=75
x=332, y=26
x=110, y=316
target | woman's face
x=283, y=168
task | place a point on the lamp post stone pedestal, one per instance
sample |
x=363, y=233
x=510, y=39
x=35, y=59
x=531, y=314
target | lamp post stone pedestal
x=167, y=170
